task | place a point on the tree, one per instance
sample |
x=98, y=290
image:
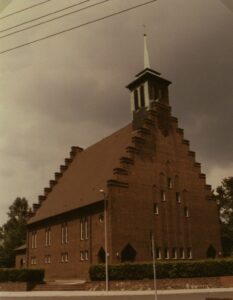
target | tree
x=224, y=197
x=13, y=232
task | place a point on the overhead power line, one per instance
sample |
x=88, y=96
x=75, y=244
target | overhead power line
x=49, y=14
x=78, y=26
x=26, y=8
x=55, y=18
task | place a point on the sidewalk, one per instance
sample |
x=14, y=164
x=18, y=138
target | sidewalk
x=228, y=292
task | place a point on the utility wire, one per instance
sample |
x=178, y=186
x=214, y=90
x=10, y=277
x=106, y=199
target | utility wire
x=55, y=18
x=49, y=14
x=26, y=8
x=78, y=26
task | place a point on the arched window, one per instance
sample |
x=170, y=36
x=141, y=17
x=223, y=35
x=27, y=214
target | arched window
x=128, y=254
x=211, y=252
x=101, y=256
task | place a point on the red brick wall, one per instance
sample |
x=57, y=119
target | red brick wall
x=74, y=267
x=132, y=207
x=130, y=214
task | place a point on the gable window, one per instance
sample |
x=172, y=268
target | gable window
x=162, y=195
x=47, y=236
x=169, y=183
x=34, y=239
x=64, y=233
x=186, y=211
x=156, y=209
x=178, y=199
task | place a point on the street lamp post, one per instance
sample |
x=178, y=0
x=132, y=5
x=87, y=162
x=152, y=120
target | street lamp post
x=105, y=238
x=154, y=267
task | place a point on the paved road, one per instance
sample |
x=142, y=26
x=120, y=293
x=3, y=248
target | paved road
x=140, y=295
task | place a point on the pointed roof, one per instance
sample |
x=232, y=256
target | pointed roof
x=87, y=173
x=147, y=73
x=146, y=54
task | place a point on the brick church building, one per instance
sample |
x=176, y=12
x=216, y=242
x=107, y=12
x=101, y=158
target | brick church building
x=151, y=184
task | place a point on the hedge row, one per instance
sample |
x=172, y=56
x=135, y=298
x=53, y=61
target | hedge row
x=21, y=275
x=178, y=269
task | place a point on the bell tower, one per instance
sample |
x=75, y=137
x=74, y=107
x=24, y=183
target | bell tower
x=146, y=90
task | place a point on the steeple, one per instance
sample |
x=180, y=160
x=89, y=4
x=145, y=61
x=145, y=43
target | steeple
x=147, y=89
x=146, y=54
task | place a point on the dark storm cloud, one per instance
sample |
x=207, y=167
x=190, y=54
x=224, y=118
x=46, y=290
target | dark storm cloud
x=70, y=90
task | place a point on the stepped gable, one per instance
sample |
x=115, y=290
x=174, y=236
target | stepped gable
x=81, y=178
x=143, y=144
x=105, y=164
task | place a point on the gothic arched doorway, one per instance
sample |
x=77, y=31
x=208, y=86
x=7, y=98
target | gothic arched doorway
x=128, y=254
x=211, y=252
x=101, y=256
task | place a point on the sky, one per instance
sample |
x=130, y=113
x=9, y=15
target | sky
x=70, y=89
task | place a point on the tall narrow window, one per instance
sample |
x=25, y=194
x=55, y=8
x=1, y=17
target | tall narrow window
x=178, y=199
x=174, y=253
x=156, y=209
x=158, y=253
x=86, y=255
x=66, y=257
x=86, y=228
x=33, y=260
x=189, y=253
x=47, y=236
x=34, y=239
x=166, y=253
x=64, y=233
x=142, y=96
x=81, y=229
x=82, y=257
x=136, y=103
x=169, y=183
x=163, y=196
x=182, y=255
x=186, y=211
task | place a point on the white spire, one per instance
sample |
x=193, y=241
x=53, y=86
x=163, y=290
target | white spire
x=146, y=54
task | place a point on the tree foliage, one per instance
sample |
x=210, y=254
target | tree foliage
x=13, y=232
x=224, y=197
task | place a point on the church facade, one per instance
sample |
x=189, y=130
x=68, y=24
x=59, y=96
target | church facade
x=146, y=177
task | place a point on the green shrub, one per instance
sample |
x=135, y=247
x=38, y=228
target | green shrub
x=21, y=275
x=172, y=269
